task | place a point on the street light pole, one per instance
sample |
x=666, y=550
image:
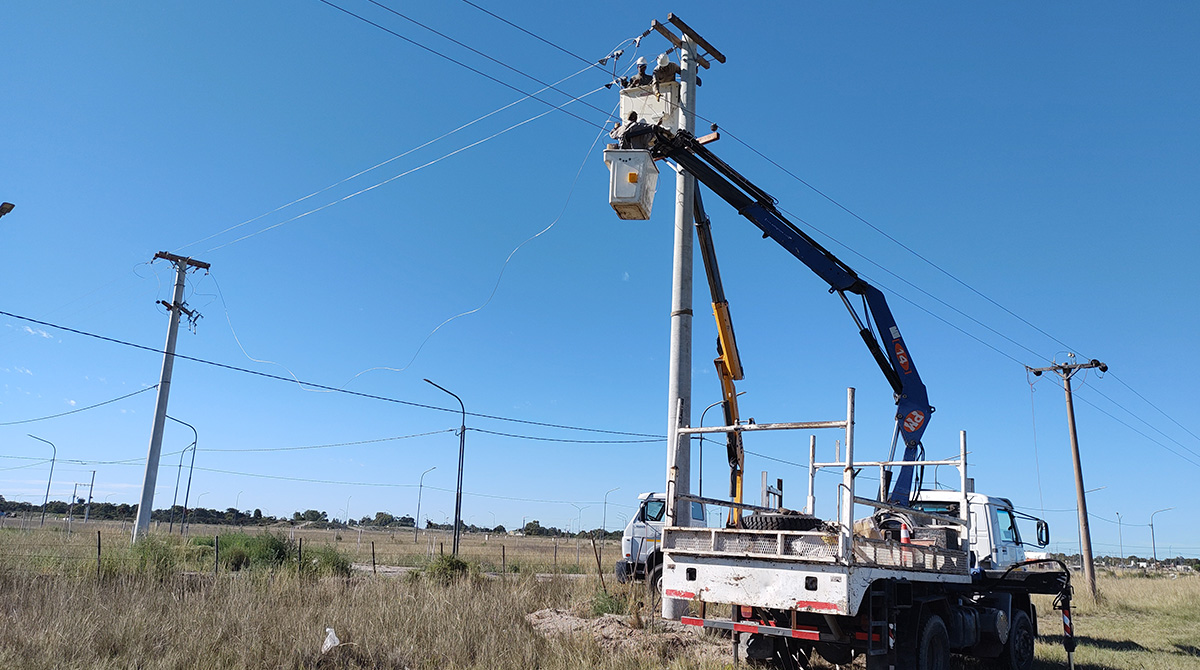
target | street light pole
x=87, y=511
x=53, y=457
x=420, y=488
x=1153, y=548
x=462, y=443
x=604, y=522
x=175, y=498
x=1120, y=537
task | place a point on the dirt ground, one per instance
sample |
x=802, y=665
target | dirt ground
x=618, y=634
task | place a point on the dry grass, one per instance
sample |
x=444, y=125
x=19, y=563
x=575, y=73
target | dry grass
x=147, y=611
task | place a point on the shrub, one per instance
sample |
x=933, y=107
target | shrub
x=445, y=569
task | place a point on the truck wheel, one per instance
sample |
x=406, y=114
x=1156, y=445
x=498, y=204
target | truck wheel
x=780, y=522
x=933, y=645
x=1018, y=651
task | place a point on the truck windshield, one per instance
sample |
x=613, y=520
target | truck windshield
x=653, y=511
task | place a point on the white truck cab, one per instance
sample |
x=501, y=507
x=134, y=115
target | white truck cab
x=641, y=544
x=995, y=538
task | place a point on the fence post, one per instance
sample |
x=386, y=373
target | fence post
x=97, y=555
x=503, y=564
x=300, y=557
x=441, y=548
x=373, y=559
x=216, y=553
x=556, y=555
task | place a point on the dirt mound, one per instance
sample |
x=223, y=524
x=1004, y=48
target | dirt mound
x=614, y=633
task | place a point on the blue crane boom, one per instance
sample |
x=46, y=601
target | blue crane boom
x=912, y=402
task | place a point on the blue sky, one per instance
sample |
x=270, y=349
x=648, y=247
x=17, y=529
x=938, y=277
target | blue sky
x=1046, y=156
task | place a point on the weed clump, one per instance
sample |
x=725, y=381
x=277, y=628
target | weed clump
x=446, y=569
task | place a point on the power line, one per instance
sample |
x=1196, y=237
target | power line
x=1097, y=391
x=331, y=446
x=392, y=485
x=557, y=439
x=1160, y=411
x=453, y=60
x=81, y=409
x=359, y=394
x=533, y=35
x=484, y=55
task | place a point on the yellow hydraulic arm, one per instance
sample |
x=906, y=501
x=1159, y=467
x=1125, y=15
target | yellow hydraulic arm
x=728, y=361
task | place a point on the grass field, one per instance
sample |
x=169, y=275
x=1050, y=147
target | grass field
x=160, y=605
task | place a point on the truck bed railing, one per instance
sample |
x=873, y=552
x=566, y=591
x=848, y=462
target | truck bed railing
x=836, y=542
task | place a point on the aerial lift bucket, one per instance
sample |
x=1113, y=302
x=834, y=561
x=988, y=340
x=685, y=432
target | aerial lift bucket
x=633, y=179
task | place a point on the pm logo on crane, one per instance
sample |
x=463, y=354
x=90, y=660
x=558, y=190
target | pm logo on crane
x=914, y=420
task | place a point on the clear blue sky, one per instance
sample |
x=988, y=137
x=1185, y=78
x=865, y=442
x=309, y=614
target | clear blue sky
x=1047, y=156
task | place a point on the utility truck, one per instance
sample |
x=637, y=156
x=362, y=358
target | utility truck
x=903, y=575
x=641, y=543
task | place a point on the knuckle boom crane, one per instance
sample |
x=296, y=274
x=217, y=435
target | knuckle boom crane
x=884, y=341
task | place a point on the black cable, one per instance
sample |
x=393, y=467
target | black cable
x=81, y=409
x=331, y=446
x=491, y=58
x=535, y=36
x=1093, y=389
x=321, y=386
x=459, y=63
x=1160, y=411
x=556, y=439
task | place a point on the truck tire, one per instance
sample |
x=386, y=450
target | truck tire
x=933, y=645
x=772, y=521
x=1018, y=651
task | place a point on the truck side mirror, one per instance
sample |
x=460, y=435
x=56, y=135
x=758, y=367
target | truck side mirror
x=1043, y=533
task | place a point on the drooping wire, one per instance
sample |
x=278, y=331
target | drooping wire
x=81, y=409
x=500, y=276
x=394, y=178
x=559, y=439
x=377, y=165
x=331, y=446
x=359, y=394
x=1037, y=462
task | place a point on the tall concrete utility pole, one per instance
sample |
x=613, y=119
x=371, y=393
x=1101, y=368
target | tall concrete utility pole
x=679, y=380
x=1066, y=371
x=176, y=307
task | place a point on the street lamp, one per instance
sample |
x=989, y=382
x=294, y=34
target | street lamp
x=55, y=456
x=420, y=487
x=195, y=442
x=1153, y=549
x=346, y=512
x=5, y=208
x=462, y=443
x=1120, y=538
x=604, y=517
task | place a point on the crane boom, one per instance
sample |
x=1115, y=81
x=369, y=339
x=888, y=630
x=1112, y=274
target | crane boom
x=912, y=403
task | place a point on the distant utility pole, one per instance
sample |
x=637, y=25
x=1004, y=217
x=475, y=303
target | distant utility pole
x=1066, y=371
x=87, y=511
x=679, y=382
x=175, y=307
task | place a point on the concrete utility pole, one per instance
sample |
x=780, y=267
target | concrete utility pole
x=1154, y=547
x=462, y=444
x=87, y=511
x=176, y=307
x=679, y=380
x=1066, y=371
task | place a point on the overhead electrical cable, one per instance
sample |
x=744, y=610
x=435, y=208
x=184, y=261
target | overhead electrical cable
x=359, y=394
x=558, y=439
x=1093, y=389
x=392, y=485
x=394, y=178
x=455, y=61
x=81, y=409
x=331, y=446
x=377, y=165
x=491, y=58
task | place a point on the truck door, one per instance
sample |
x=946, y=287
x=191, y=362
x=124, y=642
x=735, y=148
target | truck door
x=1007, y=539
x=647, y=529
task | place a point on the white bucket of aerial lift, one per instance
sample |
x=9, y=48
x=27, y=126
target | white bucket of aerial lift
x=633, y=179
x=661, y=108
